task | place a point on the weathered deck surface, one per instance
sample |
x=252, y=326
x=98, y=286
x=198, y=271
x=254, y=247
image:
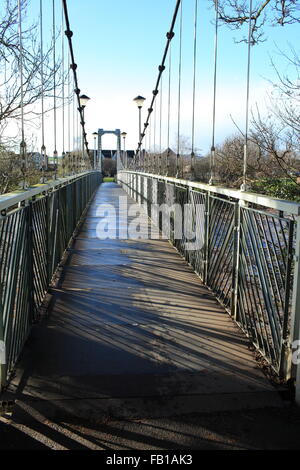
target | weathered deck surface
x=132, y=332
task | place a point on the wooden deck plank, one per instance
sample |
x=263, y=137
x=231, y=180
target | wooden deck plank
x=132, y=332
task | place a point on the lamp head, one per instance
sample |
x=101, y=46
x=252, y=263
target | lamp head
x=84, y=100
x=139, y=100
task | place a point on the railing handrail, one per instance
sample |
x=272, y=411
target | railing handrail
x=283, y=205
x=13, y=198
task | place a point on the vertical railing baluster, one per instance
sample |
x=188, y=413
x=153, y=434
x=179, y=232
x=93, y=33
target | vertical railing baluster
x=285, y=353
x=235, y=261
x=295, y=314
x=3, y=358
x=47, y=228
x=206, y=238
x=30, y=261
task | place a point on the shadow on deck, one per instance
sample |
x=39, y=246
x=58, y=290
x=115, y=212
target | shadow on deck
x=131, y=332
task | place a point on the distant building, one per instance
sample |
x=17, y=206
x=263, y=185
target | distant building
x=109, y=154
x=113, y=154
x=34, y=158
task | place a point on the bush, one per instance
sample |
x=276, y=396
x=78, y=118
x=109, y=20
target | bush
x=283, y=188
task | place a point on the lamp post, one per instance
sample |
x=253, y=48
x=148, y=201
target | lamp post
x=95, y=134
x=124, y=134
x=139, y=100
x=83, y=100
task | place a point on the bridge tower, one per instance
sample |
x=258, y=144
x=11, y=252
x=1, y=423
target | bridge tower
x=101, y=133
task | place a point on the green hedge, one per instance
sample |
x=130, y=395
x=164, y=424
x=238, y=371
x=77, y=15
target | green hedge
x=283, y=188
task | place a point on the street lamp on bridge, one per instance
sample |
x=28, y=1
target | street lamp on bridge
x=124, y=134
x=84, y=100
x=139, y=100
x=95, y=134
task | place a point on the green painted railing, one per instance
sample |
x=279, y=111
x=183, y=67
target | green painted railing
x=249, y=256
x=35, y=229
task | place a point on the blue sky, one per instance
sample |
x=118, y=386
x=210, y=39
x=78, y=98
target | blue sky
x=118, y=47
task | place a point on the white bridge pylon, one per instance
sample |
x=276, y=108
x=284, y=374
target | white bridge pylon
x=117, y=133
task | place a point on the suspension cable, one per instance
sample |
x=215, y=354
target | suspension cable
x=213, y=149
x=179, y=95
x=169, y=113
x=194, y=91
x=150, y=143
x=69, y=117
x=23, y=152
x=74, y=133
x=77, y=141
x=43, y=148
x=73, y=66
x=63, y=91
x=160, y=124
x=154, y=139
x=146, y=151
x=161, y=68
x=246, y=145
x=54, y=89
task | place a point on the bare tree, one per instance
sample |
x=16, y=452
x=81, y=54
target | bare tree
x=10, y=107
x=276, y=142
x=109, y=167
x=185, y=155
x=229, y=161
x=285, y=98
x=235, y=13
x=10, y=90
x=202, y=169
x=277, y=132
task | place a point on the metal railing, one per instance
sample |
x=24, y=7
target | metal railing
x=248, y=255
x=35, y=229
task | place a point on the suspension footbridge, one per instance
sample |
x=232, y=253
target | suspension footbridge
x=144, y=322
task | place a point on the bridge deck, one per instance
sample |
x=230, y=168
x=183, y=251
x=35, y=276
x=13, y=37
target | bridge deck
x=132, y=332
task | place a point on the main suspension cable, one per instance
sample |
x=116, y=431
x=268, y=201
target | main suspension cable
x=73, y=66
x=161, y=68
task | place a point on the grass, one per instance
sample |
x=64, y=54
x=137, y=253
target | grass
x=108, y=179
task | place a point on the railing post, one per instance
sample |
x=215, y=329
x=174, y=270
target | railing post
x=285, y=365
x=295, y=314
x=55, y=239
x=47, y=237
x=206, y=237
x=30, y=263
x=3, y=367
x=236, y=260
